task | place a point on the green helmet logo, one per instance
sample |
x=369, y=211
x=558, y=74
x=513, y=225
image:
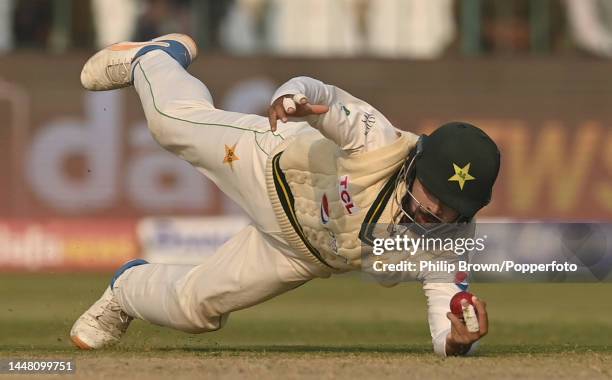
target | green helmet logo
x=462, y=175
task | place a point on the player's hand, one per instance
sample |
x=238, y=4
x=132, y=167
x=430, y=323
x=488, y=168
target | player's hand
x=292, y=106
x=460, y=340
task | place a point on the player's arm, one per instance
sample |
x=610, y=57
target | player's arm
x=461, y=341
x=450, y=335
x=350, y=122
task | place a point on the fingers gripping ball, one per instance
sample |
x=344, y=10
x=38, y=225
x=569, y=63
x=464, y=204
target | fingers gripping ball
x=289, y=105
x=300, y=99
x=455, y=303
x=462, y=306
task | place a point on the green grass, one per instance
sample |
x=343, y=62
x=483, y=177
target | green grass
x=344, y=314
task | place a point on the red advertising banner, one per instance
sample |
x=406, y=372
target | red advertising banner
x=60, y=244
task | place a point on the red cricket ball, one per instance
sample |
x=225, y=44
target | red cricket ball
x=455, y=302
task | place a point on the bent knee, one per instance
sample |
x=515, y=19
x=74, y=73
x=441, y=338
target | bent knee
x=198, y=322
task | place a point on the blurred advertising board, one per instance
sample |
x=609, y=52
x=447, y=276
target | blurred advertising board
x=66, y=244
x=100, y=245
x=185, y=240
x=69, y=153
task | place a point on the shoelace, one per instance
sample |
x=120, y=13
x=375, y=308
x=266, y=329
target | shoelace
x=118, y=71
x=114, y=319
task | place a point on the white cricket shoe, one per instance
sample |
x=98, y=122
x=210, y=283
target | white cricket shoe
x=111, y=67
x=103, y=324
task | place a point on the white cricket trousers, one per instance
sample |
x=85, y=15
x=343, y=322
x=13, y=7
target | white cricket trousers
x=253, y=266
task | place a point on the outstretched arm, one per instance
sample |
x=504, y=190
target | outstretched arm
x=351, y=123
x=449, y=335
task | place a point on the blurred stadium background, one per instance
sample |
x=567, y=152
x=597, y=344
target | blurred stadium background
x=85, y=188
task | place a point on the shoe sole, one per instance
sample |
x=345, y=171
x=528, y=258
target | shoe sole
x=79, y=343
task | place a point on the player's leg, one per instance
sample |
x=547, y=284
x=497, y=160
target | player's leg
x=230, y=148
x=249, y=269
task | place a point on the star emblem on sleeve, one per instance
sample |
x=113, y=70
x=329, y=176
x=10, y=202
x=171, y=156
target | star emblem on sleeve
x=230, y=155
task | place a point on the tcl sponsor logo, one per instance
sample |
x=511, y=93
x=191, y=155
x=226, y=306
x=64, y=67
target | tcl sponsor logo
x=345, y=196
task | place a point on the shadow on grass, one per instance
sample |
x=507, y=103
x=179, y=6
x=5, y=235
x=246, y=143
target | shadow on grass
x=301, y=349
x=499, y=350
x=216, y=350
x=486, y=350
x=248, y=350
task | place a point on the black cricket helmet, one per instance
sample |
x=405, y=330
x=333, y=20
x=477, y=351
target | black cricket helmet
x=458, y=163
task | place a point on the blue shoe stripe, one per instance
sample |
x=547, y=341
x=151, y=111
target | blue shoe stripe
x=124, y=267
x=176, y=50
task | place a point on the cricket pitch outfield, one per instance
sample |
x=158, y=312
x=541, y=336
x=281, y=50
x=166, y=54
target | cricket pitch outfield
x=341, y=328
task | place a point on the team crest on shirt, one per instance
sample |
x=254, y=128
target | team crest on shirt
x=230, y=155
x=324, y=209
x=345, y=196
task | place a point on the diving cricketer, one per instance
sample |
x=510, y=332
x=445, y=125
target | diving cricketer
x=312, y=176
